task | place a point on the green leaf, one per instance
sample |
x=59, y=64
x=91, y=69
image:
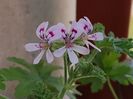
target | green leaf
x=96, y=85
x=119, y=70
x=98, y=27
x=2, y=83
x=2, y=86
x=14, y=73
x=24, y=89
x=3, y=97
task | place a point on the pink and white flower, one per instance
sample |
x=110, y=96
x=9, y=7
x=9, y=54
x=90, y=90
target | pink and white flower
x=69, y=37
x=87, y=28
x=47, y=37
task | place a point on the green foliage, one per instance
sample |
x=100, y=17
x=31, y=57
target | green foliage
x=106, y=64
x=29, y=76
x=3, y=97
x=2, y=84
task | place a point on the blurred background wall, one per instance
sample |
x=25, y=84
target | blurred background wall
x=19, y=20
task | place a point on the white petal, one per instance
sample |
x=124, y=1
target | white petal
x=30, y=47
x=96, y=36
x=49, y=56
x=62, y=29
x=75, y=30
x=56, y=32
x=85, y=25
x=38, y=58
x=94, y=46
x=59, y=52
x=72, y=56
x=81, y=49
x=41, y=29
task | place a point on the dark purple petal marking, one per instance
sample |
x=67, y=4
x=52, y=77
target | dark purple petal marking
x=40, y=45
x=86, y=27
x=74, y=31
x=64, y=35
x=51, y=33
x=41, y=30
x=94, y=36
x=63, y=31
x=42, y=36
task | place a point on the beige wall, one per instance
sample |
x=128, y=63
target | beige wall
x=18, y=22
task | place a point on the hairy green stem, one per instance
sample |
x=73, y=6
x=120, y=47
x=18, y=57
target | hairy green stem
x=63, y=91
x=112, y=89
x=65, y=69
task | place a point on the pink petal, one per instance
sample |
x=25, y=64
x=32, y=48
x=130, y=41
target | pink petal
x=75, y=31
x=41, y=29
x=30, y=47
x=85, y=25
x=96, y=36
x=62, y=30
x=38, y=58
x=49, y=56
x=81, y=49
x=53, y=33
x=72, y=56
x=59, y=52
x=89, y=43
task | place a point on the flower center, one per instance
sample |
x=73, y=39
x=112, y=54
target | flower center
x=84, y=36
x=68, y=42
x=44, y=45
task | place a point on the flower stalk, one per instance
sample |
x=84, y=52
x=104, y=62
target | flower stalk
x=112, y=89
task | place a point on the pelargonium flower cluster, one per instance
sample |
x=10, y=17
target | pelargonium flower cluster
x=81, y=29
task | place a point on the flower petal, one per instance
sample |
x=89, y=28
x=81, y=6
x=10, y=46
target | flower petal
x=38, y=58
x=30, y=47
x=75, y=31
x=49, y=56
x=93, y=46
x=72, y=56
x=54, y=33
x=81, y=49
x=59, y=52
x=85, y=25
x=62, y=30
x=41, y=29
x=96, y=36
